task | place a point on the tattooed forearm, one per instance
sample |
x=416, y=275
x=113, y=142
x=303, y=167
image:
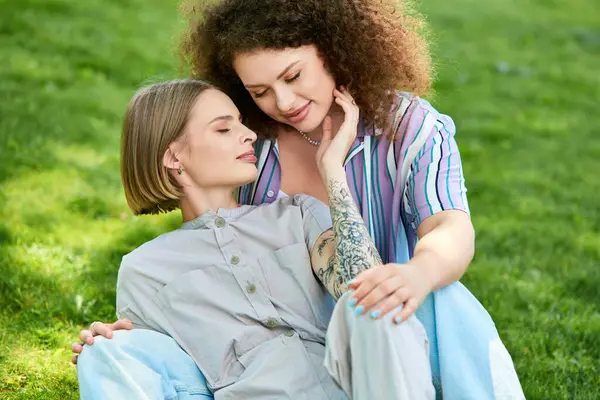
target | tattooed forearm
x=353, y=248
x=323, y=244
x=328, y=277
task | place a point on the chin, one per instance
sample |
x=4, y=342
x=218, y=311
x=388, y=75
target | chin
x=311, y=123
x=246, y=177
x=314, y=120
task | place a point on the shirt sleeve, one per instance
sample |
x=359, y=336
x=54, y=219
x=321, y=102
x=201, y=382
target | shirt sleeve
x=135, y=294
x=436, y=181
x=316, y=218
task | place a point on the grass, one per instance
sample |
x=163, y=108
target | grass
x=520, y=79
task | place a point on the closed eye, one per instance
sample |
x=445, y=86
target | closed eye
x=292, y=79
x=261, y=94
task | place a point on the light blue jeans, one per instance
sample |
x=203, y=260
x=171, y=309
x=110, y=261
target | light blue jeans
x=142, y=364
x=139, y=364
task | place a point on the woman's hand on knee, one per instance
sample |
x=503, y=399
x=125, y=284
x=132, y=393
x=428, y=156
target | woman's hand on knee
x=383, y=289
x=86, y=336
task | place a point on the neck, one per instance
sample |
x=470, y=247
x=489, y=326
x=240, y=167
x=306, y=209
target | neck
x=197, y=201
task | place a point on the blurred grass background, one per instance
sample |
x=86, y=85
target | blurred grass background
x=520, y=78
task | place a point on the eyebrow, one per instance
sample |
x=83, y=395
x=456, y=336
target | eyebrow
x=278, y=76
x=222, y=118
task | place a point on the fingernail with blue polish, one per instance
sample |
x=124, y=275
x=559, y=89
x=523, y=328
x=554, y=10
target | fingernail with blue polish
x=352, y=302
x=375, y=314
x=398, y=320
x=359, y=310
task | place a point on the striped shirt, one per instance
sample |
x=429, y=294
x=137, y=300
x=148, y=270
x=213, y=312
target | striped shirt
x=396, y=183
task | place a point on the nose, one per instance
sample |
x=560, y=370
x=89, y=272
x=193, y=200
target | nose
x=285, y=98
x=248, y=135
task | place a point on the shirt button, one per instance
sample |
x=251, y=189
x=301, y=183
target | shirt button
x=270, y=193
x=271, y=323
x=235, y=260
x=220, y=222
x=251, y=288
x=289, y=333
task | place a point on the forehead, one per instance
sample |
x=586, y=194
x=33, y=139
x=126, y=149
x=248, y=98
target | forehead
x=211, y=104
x=265, y=64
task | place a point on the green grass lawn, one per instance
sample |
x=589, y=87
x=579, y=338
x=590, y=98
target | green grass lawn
x=521, y=79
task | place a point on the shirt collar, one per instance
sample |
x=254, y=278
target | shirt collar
x=228, y=214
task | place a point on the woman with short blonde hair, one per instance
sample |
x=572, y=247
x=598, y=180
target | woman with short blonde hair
x=234, y=287
x=156, y=116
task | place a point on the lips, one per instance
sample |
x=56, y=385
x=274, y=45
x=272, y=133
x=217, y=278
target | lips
x=248, y=157
x=299, y=114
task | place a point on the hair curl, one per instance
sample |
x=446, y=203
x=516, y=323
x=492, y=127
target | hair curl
x=370, y=46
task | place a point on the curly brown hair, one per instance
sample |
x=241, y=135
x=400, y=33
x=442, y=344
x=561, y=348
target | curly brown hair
x=370, y=46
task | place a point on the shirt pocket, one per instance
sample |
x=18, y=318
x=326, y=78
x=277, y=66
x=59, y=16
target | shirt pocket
x=290, y=281
x=277, y=367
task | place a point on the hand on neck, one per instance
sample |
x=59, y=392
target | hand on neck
x=196, y=201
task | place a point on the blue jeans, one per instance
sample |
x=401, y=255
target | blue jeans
x=392, y=360
x=139, y=364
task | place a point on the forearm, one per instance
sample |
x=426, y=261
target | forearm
x=446, y=249
x=353, y=248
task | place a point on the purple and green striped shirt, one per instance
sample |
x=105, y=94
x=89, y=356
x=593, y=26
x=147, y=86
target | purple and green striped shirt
x=395, y=183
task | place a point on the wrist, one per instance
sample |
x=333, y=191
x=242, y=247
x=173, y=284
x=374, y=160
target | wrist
x=427, y=264
x=332, y=172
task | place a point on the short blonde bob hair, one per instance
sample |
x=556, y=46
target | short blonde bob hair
x=156, y=117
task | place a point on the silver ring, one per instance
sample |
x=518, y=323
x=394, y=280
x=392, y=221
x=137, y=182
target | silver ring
x=92, y=329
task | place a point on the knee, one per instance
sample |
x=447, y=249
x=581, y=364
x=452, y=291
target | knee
x=345, y=299
x=127, y=352
x=108, y=351
x=95, y=361
x=348, y=309
x=411, y=327
x=96, y=354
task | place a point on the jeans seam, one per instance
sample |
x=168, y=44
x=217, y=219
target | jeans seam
x=196, y=390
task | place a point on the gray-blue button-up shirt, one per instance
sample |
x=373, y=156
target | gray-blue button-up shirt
x=236, y=290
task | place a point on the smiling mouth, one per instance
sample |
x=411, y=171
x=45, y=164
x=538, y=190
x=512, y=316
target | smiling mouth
x=297, y=112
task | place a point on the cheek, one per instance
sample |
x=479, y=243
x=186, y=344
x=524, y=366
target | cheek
x=202, y=157
x=220, y=155
x=267, y=105
x=321, y=86
x=212, y=164
x=326, y=92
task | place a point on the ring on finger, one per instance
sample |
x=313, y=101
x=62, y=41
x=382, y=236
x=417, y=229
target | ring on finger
x=92, y=326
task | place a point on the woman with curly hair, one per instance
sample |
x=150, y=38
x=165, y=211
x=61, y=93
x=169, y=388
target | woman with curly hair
x=281, y=61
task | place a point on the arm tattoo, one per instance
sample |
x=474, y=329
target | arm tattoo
x=354, y=250
x=322, y=245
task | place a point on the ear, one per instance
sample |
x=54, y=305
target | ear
x=170, y=159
